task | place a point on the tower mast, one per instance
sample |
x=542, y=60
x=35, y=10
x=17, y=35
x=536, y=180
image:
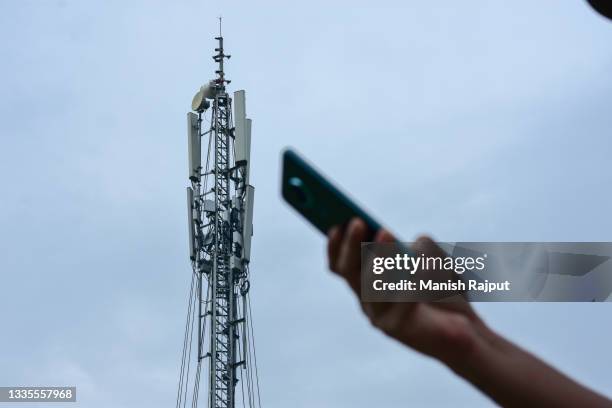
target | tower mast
x=220, y=209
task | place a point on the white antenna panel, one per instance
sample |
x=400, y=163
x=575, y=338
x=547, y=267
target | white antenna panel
x=247, y=143
x=194, y=147
x=190, y=223
x=247, y=225
x=240, y=127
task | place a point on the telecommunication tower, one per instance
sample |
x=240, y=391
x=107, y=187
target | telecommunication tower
x=219, y=329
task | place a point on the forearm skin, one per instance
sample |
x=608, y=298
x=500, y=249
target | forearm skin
x=513, y=377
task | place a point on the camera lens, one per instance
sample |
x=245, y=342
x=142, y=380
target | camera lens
x=299, y=191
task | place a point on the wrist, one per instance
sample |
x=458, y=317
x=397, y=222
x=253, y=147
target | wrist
x=480, y=345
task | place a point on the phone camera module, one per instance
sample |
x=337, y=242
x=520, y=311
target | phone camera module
x=299, y=191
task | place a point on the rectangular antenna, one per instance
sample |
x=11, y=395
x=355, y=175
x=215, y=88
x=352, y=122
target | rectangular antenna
x=247, y=225
x=191, y=225
x=194, y=145
x=247, y=142
x=240, y=127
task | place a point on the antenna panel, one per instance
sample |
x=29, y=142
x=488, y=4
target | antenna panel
x=194, y=146
x=247, y=142
x=247, y=226
x=240, y=125
x=190, y=223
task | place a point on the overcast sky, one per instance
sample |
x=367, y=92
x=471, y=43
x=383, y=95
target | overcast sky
x=472, y=120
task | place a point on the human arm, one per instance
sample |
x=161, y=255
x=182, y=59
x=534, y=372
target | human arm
x=453, y=333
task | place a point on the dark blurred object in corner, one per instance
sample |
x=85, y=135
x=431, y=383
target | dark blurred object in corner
x=603, y=7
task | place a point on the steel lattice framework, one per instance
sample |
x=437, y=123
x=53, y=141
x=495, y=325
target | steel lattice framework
x=220, y=208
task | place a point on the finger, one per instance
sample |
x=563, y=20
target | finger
x=383, y=236
x=349, y=260
x=425, y=245
x=333, y=246
x=373, y=309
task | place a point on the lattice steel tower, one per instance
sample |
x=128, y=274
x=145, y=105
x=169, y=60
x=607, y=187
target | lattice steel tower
x=220, y=216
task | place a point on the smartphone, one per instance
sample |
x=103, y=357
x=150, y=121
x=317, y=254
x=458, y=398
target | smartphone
x=317, y=199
